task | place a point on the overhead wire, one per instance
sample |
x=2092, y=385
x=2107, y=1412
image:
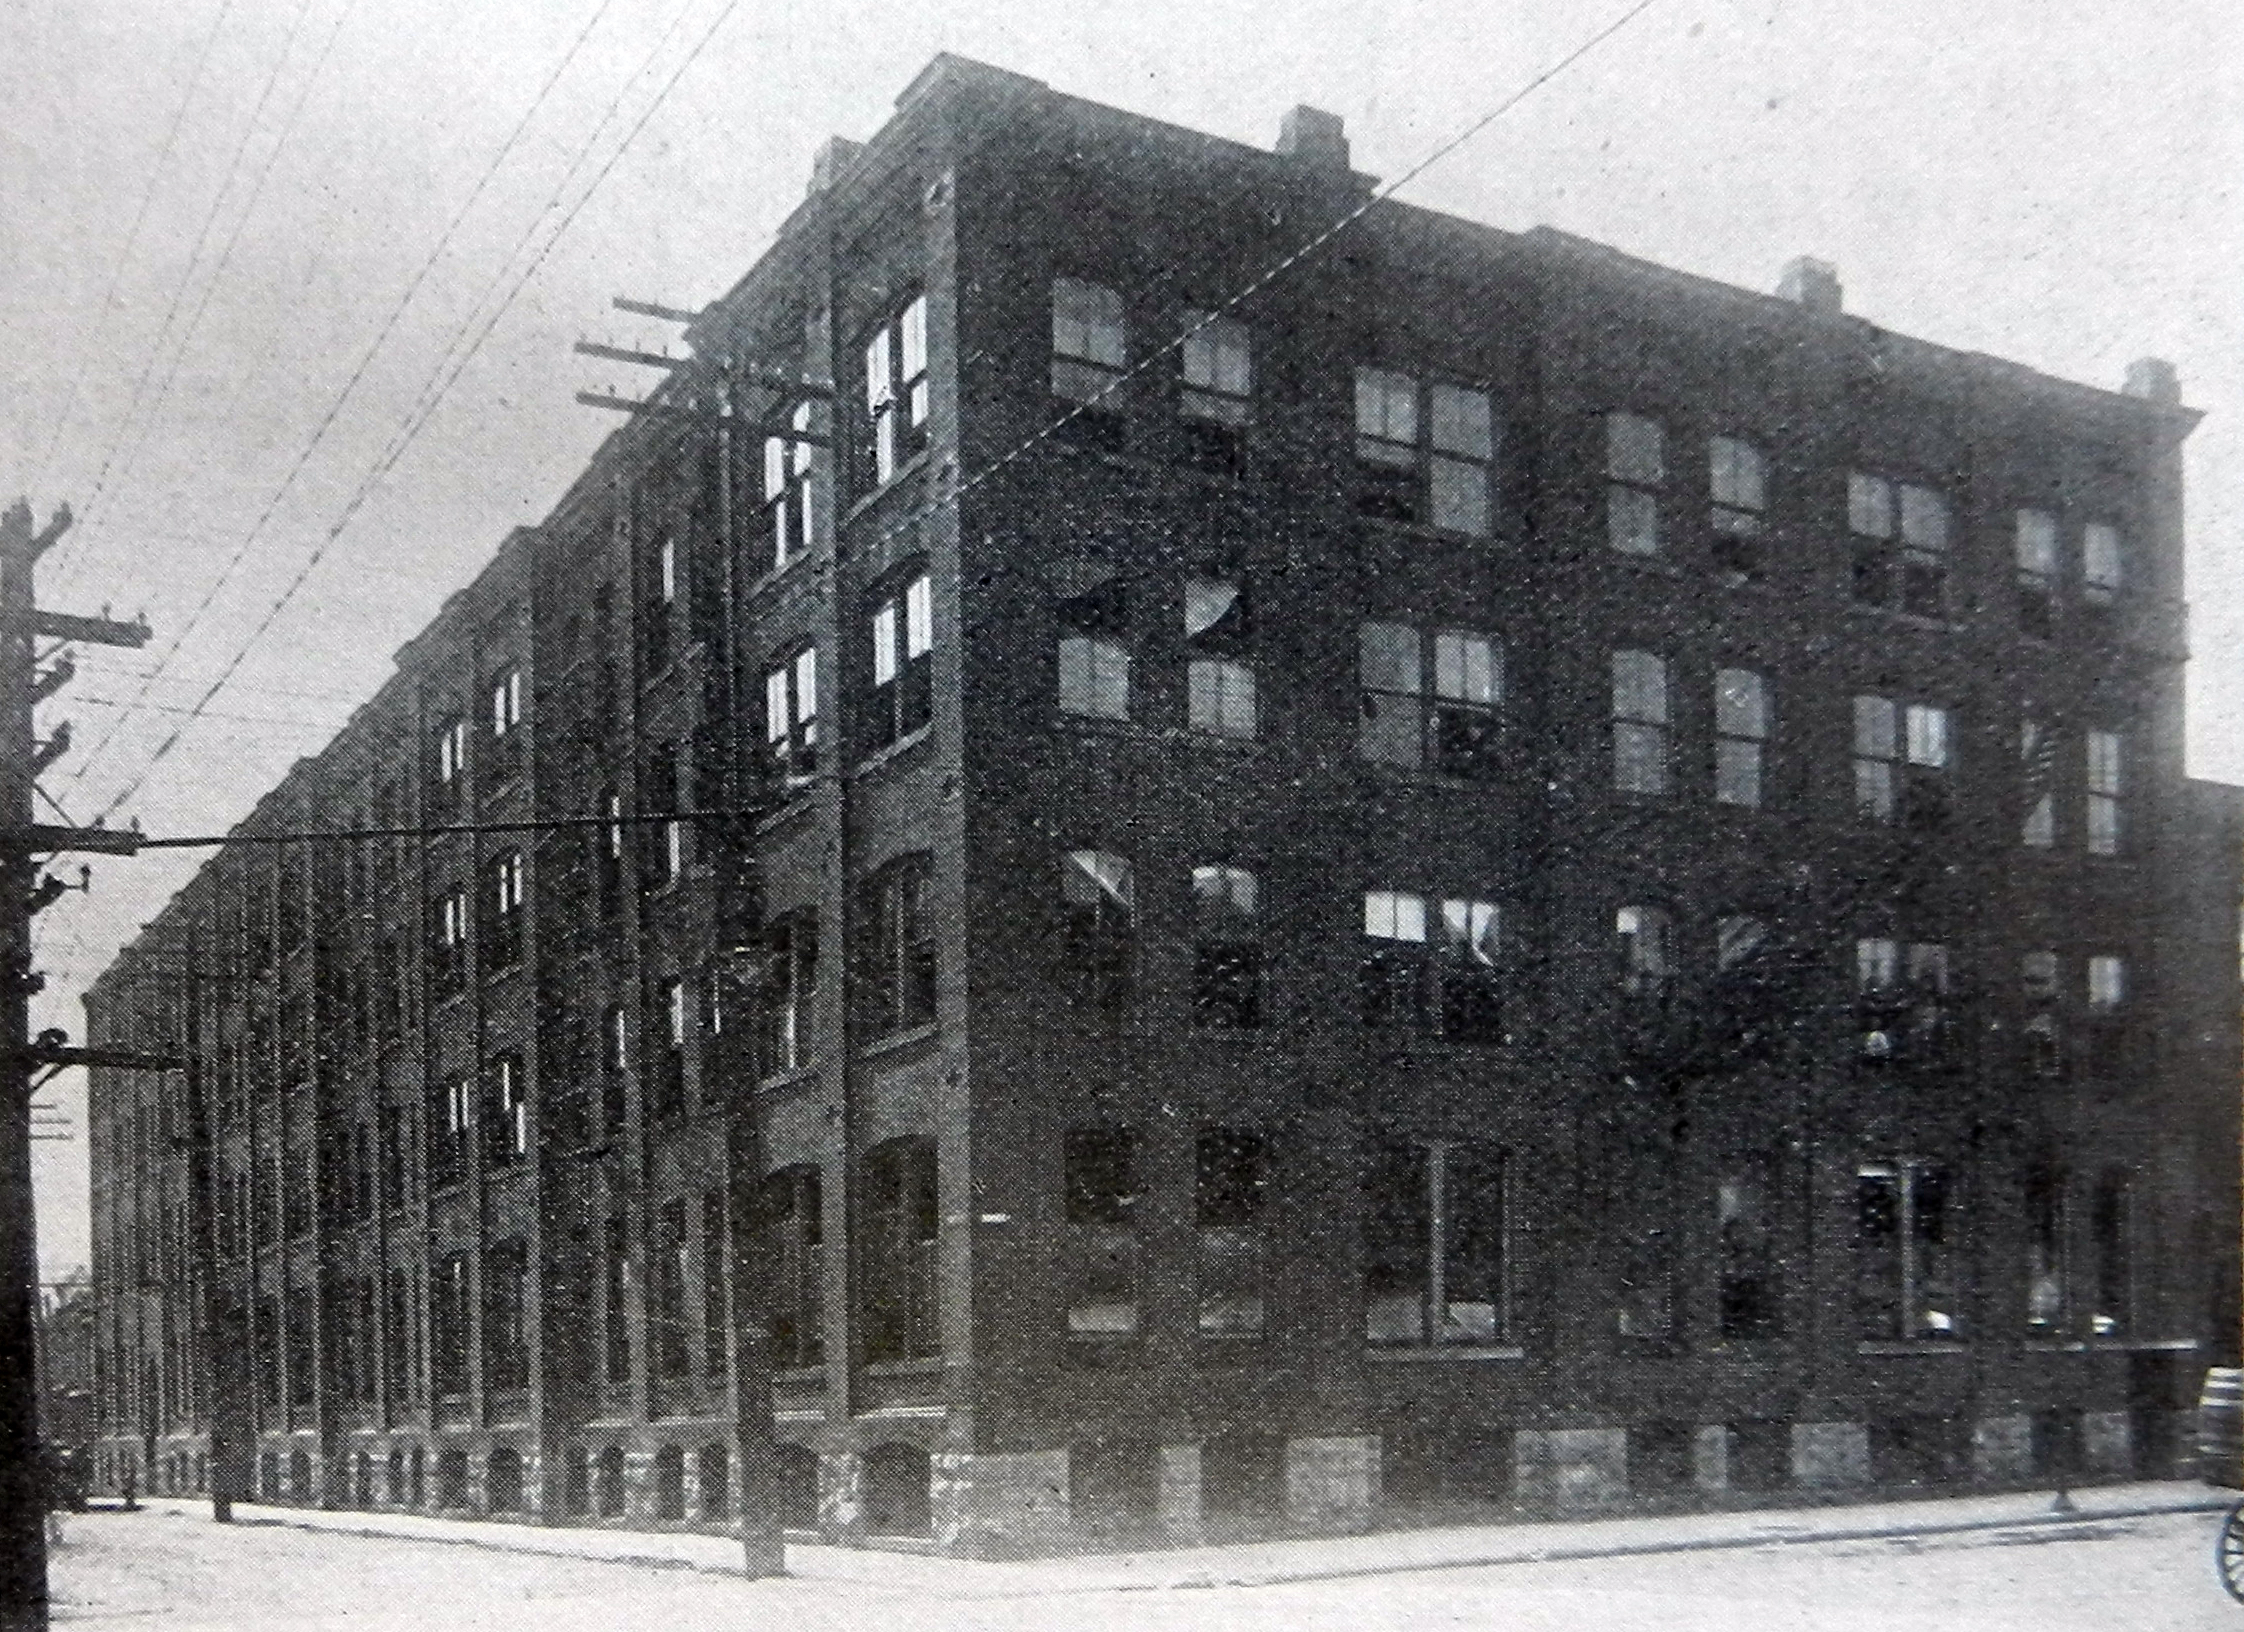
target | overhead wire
x=358, y=372
x=117, y=267
x=390, y=459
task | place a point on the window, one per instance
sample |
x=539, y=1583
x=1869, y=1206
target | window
x=448, y=1316
x=1749, y=1299
x=1905, y=1249
x=1215, y=398
x=666, y=1290
x=456, y=1131
x=508, y=1125
x=1220, y=683
x=666, y=1092
x=1901, y=762
x=1094, y=679
x=1468, y=974
x=2104, y=790
x=1231, y=1192
x=791, y=717
x=506, y=1315
x=1393, y=977
x=1645, y=939
x=615, y=1298
x=451, y=763
x=1900, y=545
x=663, y=842
x=2111, y=1271
x=2107, y=982
x=789, y=992
x=615, y=1065
x=896, y=393
x=1454, y=730
x=2038, y=986
x=1434, y=1244
x=2037, y=573
x=506, y=704
x=795, y=1230
x=1901, y=995
x=903, y=662
x=1635, y=471
x=1456, y=951
x=2105, y=1038
x=2102, y=563
x=1226, y=946
x=897, y=1272
x=898, y=947
x=397, y=1338
x=790, y=485
x=608, y=842
x=1741, y=734
x=1642, y=1171
x=503, y=948
x=1089, y=351
x=1101, y=1191
x=1424, y=452
x=1738, y=477
x=2045, y=1268
x=662, y=593
x=2037, y=752
x=1098, y=909
x=1642, y=730
x=716, y=1319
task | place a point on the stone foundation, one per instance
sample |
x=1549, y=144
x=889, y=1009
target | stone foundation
x=1332, y=1484
x=1830, y=1455
x=1570, y=1467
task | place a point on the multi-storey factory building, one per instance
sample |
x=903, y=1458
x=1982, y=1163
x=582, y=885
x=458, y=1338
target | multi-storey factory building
x=1275, y=885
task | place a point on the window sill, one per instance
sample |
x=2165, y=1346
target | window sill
x=778, y=1082
x=1658, y=564
x=888, y=753
x=1381, y=527
x=1400, y=1354
x=1426, y=775
x=1908, y=620
x=1927, y=1346
x=926, y=1366
x=2111, y=1345
x=896, y=1042
x=897, y=478
x=772, y=578
x=1101, y=725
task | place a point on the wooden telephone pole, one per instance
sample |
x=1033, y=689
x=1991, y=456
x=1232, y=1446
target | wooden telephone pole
x=23, y=1492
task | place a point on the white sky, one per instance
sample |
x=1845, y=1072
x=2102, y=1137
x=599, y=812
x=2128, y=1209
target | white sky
x=2050, y=180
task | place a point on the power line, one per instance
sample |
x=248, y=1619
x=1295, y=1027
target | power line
x=366, y=358
x=390, y=460
x=132, y=237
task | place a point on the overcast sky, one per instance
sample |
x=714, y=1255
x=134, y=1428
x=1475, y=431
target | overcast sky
x=272, y=291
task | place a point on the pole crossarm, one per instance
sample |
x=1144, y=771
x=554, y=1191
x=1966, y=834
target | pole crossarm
x=45, y=838
x=42, y=1052
x=628, y=354
x=69, y=626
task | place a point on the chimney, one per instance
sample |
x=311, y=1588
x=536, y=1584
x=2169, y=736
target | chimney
x=2154, y=380
x=1812, y=284
x=833, y=158
x=1315, y=137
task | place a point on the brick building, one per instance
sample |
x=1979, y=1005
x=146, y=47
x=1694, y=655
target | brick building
x=1486, y=873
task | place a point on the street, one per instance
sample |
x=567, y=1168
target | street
x=163, y=1568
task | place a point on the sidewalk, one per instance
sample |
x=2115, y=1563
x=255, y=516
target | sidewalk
x=1272, y=1562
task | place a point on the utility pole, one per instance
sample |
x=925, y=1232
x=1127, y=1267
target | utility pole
x=23, y=1494
x=225, y=1348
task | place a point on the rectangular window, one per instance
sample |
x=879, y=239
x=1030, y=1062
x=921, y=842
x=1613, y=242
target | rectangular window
x=900, y=1317
x=615, y=1066
x=1231, y=1185
x=666, y=1290
x=503, y=946
x=1220, y=683
x=903, y=663
x=1749, y=1297
x=1741, y=735
x=1424, y=452
x=1226, y=947
x=507, y=1128
x=1468, y=973
x=794, y=1228
x=2102, y=563
x=2104, y=793
x=1635, y=471
x=896, y=390
x=1101, y=1187
x=1094, y=677
x=506, y=703
x=1901, y=762
x=666, y=1091
x=1434, y=1244
x=790, y=486
x=1090, y=346
x=451, y=763
x=1738, y=478
x=1394, y=971
x=1644, y=937
x=789, y=992
x=2037, y=573
x=716, y=1304
x=506, y=1316
x=898, y=947
x=2107, y=982
x=449, y=1312
x=2038, y=988
x=1905, y=1252
x=1215, y=397
x=1642, y=733
x=2111, y=1268
x=1900, y=545
x=1901, y=995
x=2045, y=1268
x=1453, y=726
x=1098, y=912
x=2037, y=753
x=791, y=717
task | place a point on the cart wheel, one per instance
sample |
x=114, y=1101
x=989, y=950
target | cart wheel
x=2228, y=1552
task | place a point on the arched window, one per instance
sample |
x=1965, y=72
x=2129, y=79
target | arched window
x=609, y=1492
x=670, y=1482
x=897, y=1269
x=503, y=1477
x=715, y=1472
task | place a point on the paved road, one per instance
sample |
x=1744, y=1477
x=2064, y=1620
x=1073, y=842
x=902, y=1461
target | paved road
x=153, y=1569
